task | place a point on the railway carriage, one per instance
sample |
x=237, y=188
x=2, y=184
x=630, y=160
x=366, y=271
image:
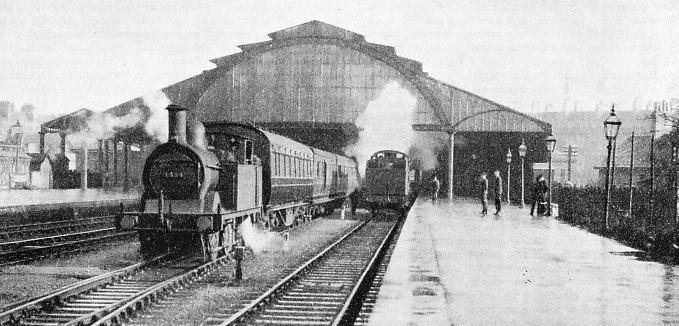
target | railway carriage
x=199, y=189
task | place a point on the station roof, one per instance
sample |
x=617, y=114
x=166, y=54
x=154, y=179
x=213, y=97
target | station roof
x=69, y=123
x=452, y=109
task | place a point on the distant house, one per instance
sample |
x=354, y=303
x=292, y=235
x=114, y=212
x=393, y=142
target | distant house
x=13, y=165
x=40, y=171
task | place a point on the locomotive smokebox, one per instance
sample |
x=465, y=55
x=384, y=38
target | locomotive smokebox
x=176, y=124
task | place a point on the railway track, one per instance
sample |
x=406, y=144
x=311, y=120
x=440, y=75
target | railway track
x=24, y=231
x=88, y=301
x=326, y=290
x=27, y=250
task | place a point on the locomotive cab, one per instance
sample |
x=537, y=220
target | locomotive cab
x=241, y=175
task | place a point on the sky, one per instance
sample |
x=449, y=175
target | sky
x=530, y=55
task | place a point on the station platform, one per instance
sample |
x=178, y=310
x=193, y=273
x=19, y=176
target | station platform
x=32, y=206
x=452, y=266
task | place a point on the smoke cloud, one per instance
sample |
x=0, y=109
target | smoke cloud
x=152, y=115
x=387, y=124
x=157, y=123
x=259, y=240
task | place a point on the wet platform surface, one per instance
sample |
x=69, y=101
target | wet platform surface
x=454, y=267
x=20, y=197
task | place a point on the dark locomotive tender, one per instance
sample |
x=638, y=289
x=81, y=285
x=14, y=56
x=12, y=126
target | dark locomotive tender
x=200, y=188
x=387, y=183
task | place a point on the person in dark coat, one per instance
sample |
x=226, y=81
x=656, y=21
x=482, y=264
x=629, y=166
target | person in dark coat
x=497, y=191
x=539, y=195
x=435, y=187
x=354, y=197
x=483, y=191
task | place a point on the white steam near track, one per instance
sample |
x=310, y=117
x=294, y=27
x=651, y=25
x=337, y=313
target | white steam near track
x=261, y=241
x=386, y=123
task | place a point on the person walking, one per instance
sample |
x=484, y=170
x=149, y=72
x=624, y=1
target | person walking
x=436, y=186
x=497, y=192
x=484, y=193
x=539, y=195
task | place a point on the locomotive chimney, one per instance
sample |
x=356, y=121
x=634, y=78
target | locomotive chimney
x=176, y=124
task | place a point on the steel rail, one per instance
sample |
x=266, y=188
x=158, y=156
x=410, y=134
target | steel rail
x=52, y=224
x=125, y=310
x=15, y=314
x=52, y=239
x=29, y=254
x=351, y=307
x=242, y=313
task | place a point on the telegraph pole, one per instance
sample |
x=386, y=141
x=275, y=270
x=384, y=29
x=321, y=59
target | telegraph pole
x=571, y=152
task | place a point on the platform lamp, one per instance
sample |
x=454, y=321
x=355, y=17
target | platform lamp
x=550, y=142
x=509, y=161
x=17, y=133
x=522, y=154
x=611, y=128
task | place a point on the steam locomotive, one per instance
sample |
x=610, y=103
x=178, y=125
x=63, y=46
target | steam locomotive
x=208, y=179
x=388, y=182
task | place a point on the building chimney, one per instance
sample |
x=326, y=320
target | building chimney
x=176, y=124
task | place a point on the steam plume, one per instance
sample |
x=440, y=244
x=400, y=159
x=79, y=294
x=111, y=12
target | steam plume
x=105, y=125
x=387, y=124
x=156, y=125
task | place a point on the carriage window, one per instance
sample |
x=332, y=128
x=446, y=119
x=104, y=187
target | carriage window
x=284, y=166
x=289, y=159
x=325, y=174
x=273, y=164
x=278, y=164
x=294, y=166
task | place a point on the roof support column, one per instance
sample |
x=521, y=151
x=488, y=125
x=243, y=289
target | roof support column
x=83, y=173
x=115, y=162
x=451, y=136
x=62, y=145
x=100, y=161
x=126, y=159
x=107, y=164
x=42, y=141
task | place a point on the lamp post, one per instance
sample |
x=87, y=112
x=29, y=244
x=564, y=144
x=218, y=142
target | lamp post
x=675, y=161
x=611, y=128
x=550, y=142
x=17, y=132
x=509, y=160
x=522, y=154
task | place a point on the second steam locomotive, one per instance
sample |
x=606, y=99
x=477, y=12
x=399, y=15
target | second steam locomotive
x=388, y=182
x=208, y=179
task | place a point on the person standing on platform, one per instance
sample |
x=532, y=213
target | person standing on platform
x=497, y=192
x=484, y=194
x=436, y=186
x=539, y=195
